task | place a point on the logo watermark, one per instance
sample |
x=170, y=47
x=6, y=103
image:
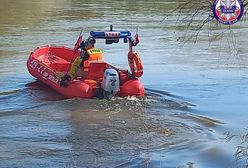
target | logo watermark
x=228, y=12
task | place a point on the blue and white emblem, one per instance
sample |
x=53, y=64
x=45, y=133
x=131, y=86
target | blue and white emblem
x=228, y=11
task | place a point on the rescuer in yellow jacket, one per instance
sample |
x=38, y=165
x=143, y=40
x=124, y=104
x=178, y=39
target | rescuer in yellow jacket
x=81, y=64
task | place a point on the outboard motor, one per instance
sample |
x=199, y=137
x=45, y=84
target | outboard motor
x=110, y=82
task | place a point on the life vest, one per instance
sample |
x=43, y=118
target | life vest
x=135, y=63
x=95, y=55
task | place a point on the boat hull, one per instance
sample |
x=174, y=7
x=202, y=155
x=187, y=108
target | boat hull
x=49, y=63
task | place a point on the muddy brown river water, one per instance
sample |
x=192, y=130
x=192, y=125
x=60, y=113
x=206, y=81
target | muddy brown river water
x=196, y=99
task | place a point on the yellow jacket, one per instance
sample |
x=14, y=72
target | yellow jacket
x=94, y=55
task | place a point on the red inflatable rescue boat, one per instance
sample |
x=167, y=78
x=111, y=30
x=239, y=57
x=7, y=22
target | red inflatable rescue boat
x=50, y=63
